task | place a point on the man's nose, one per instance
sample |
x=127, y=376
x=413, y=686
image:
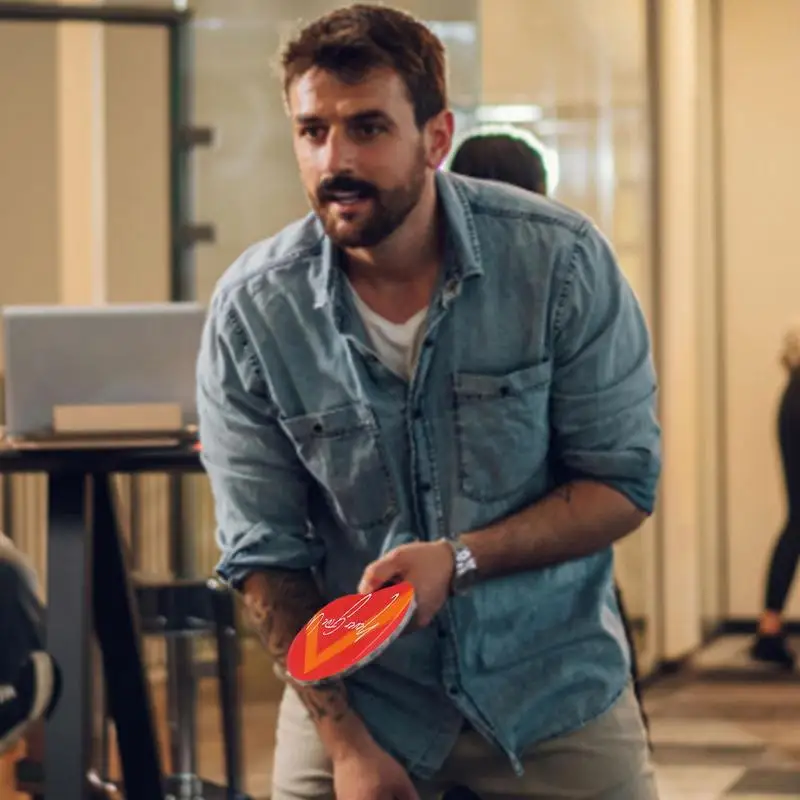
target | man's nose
x=339, y=153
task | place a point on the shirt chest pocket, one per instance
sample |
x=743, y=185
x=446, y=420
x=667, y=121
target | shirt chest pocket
x=342, y=449
x=502, y=429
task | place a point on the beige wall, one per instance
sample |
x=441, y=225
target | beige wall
x=80, y=162
x=761, y=282
x=30, y=222
x=679, y=325
x=706, y=306
x=83, y=163
x=29, y=215
x=563, y=52
x=136, y=98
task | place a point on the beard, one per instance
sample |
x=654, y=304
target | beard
x=379, y=214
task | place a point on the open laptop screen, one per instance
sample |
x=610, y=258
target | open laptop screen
x=113, y=354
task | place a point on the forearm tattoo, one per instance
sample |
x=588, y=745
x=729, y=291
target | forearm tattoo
x=278, y=604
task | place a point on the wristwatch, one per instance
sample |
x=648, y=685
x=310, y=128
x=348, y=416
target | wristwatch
x=465, y=570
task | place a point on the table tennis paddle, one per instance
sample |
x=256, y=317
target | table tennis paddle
x=349, y=632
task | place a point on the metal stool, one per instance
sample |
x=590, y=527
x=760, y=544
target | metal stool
x=180, y=610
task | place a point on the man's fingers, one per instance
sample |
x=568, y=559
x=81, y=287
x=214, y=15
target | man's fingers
x=377, y=574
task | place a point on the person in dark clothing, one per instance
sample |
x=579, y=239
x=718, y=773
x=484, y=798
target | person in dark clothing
x=770, y=644
x=508, y=156
x=511, y=155
x=29, y=677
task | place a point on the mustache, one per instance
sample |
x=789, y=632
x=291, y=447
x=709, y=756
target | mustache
x=330, y=187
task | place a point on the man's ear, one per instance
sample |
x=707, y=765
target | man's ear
x=438, y=136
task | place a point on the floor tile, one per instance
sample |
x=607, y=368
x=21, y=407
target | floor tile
x=778, y=757
x=733, y=652
x=780, y=782
x=750, y=797
x=735, y=736
x=737, y=755
x=699, y=780
x=699, y=732
x=781, y=733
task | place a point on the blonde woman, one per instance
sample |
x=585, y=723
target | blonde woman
x=770, y=645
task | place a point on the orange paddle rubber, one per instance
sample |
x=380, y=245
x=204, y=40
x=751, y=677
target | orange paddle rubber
x=349, y=633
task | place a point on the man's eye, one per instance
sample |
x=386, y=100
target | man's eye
x=369, y=130
x=313, y=132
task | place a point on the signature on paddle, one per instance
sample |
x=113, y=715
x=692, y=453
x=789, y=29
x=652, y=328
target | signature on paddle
x=330, y=625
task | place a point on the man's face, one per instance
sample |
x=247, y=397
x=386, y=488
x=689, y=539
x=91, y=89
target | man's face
x=362, y=159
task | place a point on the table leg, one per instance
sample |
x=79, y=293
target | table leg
x=228, y=680
x=182, y=686
x=117, y=624
x=69, y=554
x=182, y=705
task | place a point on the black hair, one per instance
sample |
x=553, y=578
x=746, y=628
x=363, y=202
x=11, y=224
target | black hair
x=502, y=157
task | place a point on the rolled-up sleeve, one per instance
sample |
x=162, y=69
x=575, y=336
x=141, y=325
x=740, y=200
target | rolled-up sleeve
x=260, y=488
x=604, y=394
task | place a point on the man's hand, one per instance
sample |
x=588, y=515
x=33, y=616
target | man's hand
x=370, y=773
x=427, y=566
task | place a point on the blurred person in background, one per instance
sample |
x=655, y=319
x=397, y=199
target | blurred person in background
x=29, y=678
x=770, y=645
x=503, y=153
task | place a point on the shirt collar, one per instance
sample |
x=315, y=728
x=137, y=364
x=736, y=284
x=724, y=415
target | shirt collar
x=462, y=251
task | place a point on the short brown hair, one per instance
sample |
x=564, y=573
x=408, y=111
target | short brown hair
x=351, y=41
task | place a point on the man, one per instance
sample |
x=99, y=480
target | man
x=439, y=380
x=29, y=678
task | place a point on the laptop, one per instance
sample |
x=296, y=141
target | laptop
x=101, y=357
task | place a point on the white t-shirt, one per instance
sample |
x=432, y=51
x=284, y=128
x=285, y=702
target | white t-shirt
x=397, y=345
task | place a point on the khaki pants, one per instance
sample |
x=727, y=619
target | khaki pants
x=607, y=759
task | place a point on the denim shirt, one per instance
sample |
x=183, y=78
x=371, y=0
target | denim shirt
x=535, y=369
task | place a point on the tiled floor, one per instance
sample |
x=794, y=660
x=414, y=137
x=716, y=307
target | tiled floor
x=731, y=731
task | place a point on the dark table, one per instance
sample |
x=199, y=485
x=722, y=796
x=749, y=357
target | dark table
x=89, y=588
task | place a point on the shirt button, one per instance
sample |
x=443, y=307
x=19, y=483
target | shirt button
x=452, y=691
x=425, y=487
x=417, y=414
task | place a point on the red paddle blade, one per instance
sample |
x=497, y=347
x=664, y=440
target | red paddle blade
x=349, y=633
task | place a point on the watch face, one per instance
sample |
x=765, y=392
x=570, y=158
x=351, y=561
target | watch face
x=465, y=567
